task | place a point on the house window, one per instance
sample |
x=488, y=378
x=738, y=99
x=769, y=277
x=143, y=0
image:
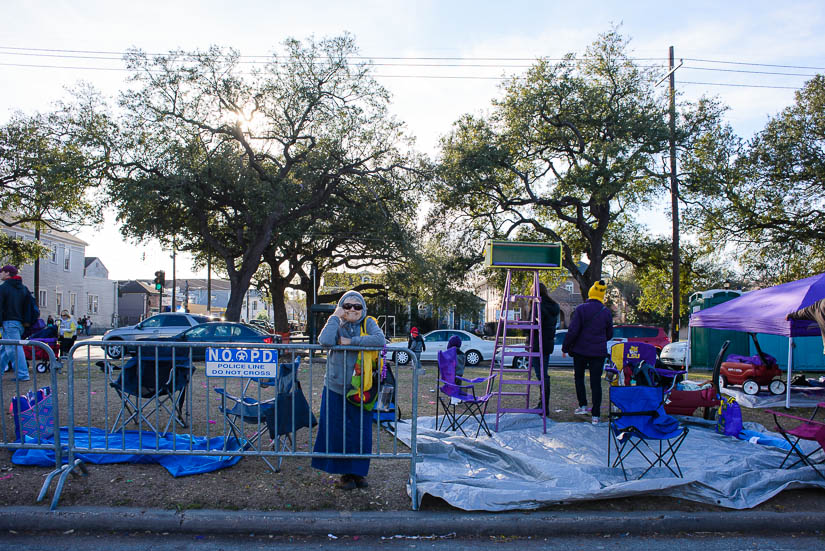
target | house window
x=41, y=301
x=53, y=256
x=254, y=305
x=94, y=301
x=72, y=303
x=569, y=287
x=58, y=297
x=67, y=259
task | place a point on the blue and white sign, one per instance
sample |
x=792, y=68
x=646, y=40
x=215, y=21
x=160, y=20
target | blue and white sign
x=241, y=362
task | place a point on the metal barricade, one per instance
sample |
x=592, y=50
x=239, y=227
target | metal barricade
x=163, y=392
x=40, y=428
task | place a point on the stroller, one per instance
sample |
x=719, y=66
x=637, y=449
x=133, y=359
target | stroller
x=48, y=336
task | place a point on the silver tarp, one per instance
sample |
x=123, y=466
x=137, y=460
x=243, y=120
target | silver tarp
x=801, y=397
x=521, y=468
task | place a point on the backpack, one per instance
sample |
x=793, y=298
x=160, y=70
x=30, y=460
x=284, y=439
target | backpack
x=368, y=368
x=31, y=313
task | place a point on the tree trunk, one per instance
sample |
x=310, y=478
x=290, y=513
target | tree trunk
x=239, y=281
x=277, y=286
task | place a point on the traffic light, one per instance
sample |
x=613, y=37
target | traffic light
x=159, y=279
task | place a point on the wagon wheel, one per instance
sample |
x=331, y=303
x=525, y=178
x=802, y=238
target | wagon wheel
x=42, y=367
x=750, y=387
x=777, y=386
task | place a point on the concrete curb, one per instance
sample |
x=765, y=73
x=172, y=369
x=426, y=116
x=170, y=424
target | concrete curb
x=409, y=523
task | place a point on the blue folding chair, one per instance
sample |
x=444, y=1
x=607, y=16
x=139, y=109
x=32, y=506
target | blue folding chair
x=637, y=416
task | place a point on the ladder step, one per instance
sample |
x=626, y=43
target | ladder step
x=520, y=410
x=522, y=326
x=512, y=394
x=522, y=296
x=522, y=353
x=519, y=382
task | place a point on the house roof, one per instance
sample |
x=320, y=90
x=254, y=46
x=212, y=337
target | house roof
x=135, y=286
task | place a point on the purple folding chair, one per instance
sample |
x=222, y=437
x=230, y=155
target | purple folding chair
x=808, y=429
x=457, y=396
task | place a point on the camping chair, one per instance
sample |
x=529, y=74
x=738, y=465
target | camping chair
x=637, y=361
x=452, y=395
x=637, y=416
x=808, y=429
x=281, y=416
x=148, y=384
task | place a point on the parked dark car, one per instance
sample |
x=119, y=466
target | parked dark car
x=217, y=331
x=262, y=324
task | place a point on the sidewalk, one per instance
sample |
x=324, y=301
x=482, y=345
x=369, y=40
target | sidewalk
x=408, y=523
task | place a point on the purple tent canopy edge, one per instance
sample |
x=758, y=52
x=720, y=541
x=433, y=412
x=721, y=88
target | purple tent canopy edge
x=764, y=311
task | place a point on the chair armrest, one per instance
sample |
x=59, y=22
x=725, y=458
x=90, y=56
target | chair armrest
x=477, y=379
x=788, y=416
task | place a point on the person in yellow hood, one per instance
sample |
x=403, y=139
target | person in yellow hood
x=66, y=332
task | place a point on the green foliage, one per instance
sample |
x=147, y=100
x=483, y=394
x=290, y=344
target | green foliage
x=231, y=166
x=49, y=163
x=764, y=200
x=18, y=251
x=570, y=153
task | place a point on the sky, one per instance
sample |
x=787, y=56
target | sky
x=439, y=59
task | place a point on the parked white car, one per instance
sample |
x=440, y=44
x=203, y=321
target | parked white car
x=166, y=324
x=674, y=354
x=477, y=350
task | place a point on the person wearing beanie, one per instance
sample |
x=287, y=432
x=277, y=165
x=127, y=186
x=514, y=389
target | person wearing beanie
x=342, y=426
x=417, y=345
x=13, y=295
x=460, y=357
x=591, y=326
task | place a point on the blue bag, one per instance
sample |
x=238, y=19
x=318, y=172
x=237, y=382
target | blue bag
x=729, y=417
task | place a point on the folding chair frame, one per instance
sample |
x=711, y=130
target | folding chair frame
x=473, y=408
x=794, y=442
x=665, y=455
x=236, y=419
x=163, y=394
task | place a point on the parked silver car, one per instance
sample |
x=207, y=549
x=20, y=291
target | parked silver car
x=674, y=354
x=167, y=324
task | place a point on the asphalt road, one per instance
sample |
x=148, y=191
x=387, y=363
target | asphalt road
x=162, y=542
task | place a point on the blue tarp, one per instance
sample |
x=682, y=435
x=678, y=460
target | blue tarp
x=177, y=465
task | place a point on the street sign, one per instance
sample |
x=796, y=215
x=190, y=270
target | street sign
x=241, y=362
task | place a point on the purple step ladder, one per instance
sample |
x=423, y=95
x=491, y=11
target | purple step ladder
x=513, y=377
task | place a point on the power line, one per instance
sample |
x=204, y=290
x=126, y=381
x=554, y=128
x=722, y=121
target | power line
x=754, y=64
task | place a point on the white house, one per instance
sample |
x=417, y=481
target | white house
x=69, y=280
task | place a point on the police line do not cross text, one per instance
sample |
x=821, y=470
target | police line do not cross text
x=241, y=362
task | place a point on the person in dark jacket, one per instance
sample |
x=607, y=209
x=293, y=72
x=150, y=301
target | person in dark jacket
x=13, y=295
x=416, y=344
x=814, y=312
x=591, y=326
x=549, y=312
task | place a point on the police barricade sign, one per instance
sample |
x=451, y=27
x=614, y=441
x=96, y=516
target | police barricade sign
x=241, y=362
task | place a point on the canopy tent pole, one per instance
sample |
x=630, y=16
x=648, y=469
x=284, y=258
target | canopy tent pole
x=790, y=368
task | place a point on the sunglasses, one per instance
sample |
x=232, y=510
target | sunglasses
x=356, y=307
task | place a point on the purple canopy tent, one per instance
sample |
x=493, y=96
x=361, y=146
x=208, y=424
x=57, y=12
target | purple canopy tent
x=764, y=311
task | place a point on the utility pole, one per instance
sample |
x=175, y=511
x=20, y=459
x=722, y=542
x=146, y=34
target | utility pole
x=174, y=276
x=674, y=203
x=209, y=284
x=37, y=265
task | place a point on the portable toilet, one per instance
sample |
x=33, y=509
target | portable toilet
x=705, y=342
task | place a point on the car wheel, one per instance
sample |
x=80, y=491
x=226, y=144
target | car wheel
x=777, y=386
x=520, y=362
x=114, y=352
x=473, y=358
x=42, y=367
x=402, y=358
x=750, y=387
